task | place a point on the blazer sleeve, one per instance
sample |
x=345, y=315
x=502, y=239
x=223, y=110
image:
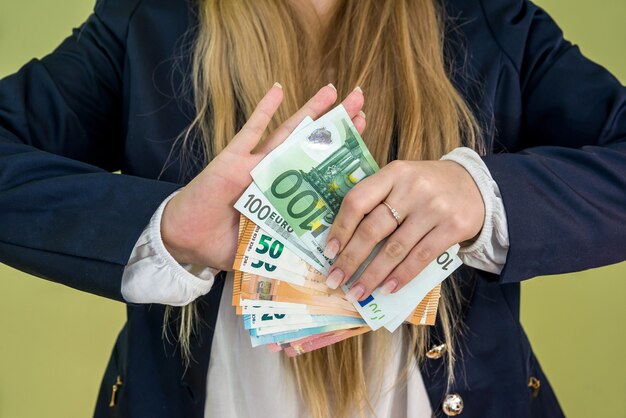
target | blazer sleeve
x=64, y=216
x=564, y=186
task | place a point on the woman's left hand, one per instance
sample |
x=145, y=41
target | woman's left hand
x=438, y=205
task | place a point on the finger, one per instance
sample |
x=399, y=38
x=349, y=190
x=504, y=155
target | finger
x=353, y=103
x=314, y=108
x=392, y=253
x=358, y=202
x=373, y=229
x=435, y=243
x=250, y=134
x=359, y=122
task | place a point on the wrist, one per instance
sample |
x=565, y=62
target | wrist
x=173, y=235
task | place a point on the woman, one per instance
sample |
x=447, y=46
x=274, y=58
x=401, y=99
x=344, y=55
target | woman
x=104, y=101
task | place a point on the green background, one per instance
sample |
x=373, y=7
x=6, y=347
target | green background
x=55, y=341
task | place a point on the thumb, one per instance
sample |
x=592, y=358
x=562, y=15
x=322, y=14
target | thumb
x=250, y=134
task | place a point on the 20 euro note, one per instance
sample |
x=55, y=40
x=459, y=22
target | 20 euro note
x=316, y=321
x=285, y=321
x=312, y=280
x=306, y=180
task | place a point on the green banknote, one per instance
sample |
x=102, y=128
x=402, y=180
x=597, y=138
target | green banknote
x=306, y=180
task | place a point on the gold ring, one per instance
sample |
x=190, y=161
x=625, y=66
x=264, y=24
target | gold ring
x=394, y=212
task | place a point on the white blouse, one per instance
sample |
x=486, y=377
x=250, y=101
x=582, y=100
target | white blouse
x=252, y=382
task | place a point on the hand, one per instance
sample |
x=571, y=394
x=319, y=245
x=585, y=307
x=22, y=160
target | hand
x=438, y=205
x=200, y=225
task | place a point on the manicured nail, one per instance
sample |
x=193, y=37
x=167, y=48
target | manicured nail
x=362, y=114
x=334, y=278
x=389, y=286
x=277, y=84
x=332, y=86
x=355, y=293
x=332, y=248
x=357, y=88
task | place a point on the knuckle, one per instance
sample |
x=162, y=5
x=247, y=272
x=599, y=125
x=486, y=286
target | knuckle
x=440, y=205
x=368, y=280
x=265, y=112
x=403, y=274
x=423, y=253
x=397, y=167
x=351, y=201
x=394, y=249
x=256, y=128
x=347, y=260
x=424, y=184
x=367, y=231
x=392, y=165
x=458, y=222
x=339, y=226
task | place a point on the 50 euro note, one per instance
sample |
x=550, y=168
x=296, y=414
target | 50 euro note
x=426, y=311
x=255, y=206
x=305, y=181
x=260, y=253
x=263, y=295
x=251, y=265
x=257, y=287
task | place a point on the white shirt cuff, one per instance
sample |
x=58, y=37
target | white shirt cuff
x=490, y=249
x=152, y=275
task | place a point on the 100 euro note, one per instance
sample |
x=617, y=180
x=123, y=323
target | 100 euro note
x=254, y=205
x=306, y=179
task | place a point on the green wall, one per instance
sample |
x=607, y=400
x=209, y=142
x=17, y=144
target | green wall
x=54, y=341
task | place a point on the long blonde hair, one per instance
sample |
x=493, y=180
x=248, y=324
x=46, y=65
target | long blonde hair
x=394, y=50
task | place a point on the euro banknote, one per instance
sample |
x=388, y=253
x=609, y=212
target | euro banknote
x=306, y=180
x=280, y=270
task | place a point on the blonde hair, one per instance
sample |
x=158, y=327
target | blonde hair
x=394, y=50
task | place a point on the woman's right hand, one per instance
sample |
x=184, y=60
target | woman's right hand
x=199, y=224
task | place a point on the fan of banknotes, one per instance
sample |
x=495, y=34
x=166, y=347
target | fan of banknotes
x=280, y=270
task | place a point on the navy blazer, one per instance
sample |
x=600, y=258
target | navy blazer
x=110, y=98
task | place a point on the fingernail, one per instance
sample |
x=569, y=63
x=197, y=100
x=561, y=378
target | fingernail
x=389, y=286
x=355, y=293
x=334, y=278
x=357, y=88
x=277, y=84
x=332, y=248
x=362, y=114
x=332, y=86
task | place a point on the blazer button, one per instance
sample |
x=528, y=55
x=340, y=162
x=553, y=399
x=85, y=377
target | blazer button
x=436, y=352
x=534, y=384
x=452, y=404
